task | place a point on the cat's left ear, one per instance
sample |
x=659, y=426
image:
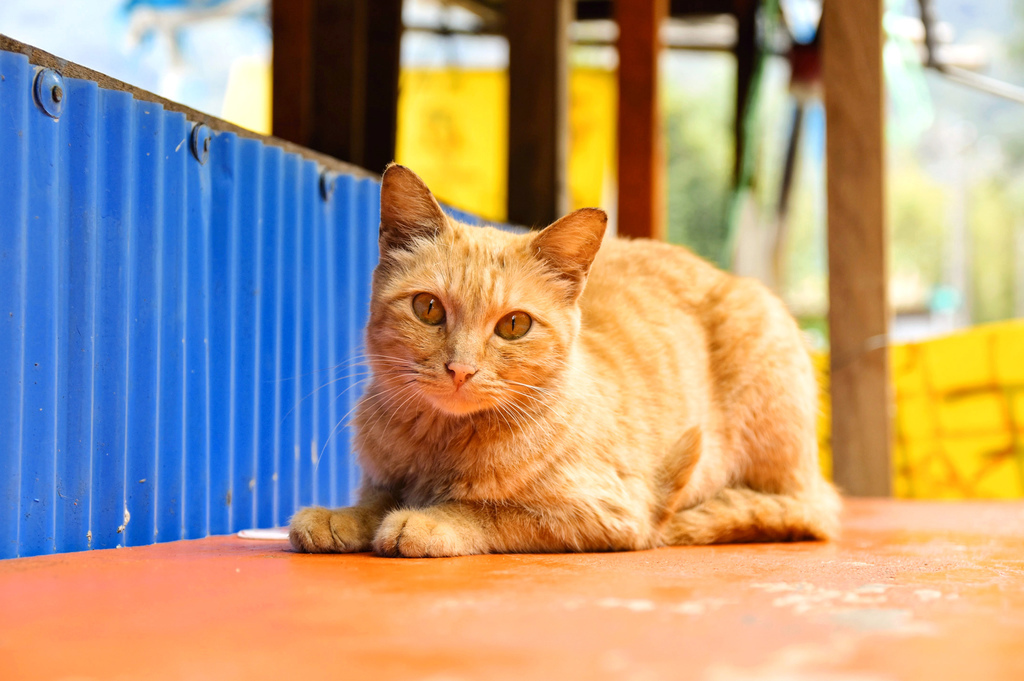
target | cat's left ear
x=408, y=211
x=569, y=246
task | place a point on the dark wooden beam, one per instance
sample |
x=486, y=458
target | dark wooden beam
x=642, y=163
x=745, y=52
x=538, y=126
x=605, y=9
x=383, y=59
x=335, y=82
x=292, y=78
x=858, y=307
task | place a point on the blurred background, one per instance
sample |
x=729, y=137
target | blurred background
x=956, y=155
x=955, y=185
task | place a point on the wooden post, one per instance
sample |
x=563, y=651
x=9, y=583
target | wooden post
x=292, y=70
x=858, y=308
x=335, y=82
x=383, y=63
x=538, y=102
x=746, y=55
x=642, y=163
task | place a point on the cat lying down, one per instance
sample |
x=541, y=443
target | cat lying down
x=558, y=391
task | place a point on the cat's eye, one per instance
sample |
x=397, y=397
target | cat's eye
x=514, y=325
x=428, y=308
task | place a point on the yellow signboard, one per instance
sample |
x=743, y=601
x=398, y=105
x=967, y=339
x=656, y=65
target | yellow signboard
x=453, y=130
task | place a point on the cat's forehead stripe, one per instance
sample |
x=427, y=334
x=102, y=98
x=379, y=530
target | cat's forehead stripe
x=475, y=276
x=476, y=269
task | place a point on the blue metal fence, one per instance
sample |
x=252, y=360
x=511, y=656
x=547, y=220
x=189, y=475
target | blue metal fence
x=165, y=324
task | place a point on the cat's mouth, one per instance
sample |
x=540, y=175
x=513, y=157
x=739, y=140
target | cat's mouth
x=457, y=402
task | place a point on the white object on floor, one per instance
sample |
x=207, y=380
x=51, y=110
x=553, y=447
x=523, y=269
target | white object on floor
x=273, y=534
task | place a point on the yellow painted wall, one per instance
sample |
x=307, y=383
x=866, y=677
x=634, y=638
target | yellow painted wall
x=453, y=131
x=593, y=109
x=959, y=421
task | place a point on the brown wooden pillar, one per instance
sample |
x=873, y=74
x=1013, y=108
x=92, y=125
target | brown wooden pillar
x=745, y=52
x=335, y=81
x=538, y=98
x=858, y=307
x=642, y=163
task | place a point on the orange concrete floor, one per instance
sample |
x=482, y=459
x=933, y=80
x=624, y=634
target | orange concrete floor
x=912, y=591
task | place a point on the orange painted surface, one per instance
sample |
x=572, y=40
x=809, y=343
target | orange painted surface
x=914, y=590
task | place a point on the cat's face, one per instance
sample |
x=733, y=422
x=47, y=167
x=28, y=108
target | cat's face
x=468, y=319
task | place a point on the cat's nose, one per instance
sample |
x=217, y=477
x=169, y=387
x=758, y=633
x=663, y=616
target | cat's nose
x=460, y=373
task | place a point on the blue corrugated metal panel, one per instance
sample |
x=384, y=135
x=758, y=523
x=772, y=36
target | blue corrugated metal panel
x=176, y=339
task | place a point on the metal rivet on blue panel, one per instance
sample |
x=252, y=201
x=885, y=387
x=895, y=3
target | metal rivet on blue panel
x=328, y=181
x=49, y=92
x=201, y=142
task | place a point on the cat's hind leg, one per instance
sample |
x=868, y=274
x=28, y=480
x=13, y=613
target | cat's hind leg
x=738, y=515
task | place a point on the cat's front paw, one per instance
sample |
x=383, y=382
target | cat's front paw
x=323, y=530
x=421, y=534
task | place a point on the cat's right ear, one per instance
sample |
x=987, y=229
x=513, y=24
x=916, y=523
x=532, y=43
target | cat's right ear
x=408, y=211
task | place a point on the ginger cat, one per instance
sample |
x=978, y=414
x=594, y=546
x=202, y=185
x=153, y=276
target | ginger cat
x=548, y=392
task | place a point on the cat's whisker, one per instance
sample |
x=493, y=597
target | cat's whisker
x=387, y=407
x=540, y=402
x=390, y=389
x=527, y=385
x=357, y=405
x=385, y=358
x=501, y=412
x=318, y=389
x=392, y=397
x=347, y=361
x=361, y=381
x=343, y=419
x=327, y=442
x=400, y=407
x=283, y=379
x=369, y=360
x=547, y=410
x=341, y=422
x=334, y=430
x=518, y=409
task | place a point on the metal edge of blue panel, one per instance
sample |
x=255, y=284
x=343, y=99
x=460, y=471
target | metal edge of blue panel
x=42, y=421
x=172, y=508
x=15, y=83
x=226, y=172
x=115, y=165
x=145, y=294
x=351, y=367
x=80, y=128
x=264, y=482
x=311, y=370
x=194, y=339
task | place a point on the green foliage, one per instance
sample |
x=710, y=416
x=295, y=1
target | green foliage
x=699, y=142
x=993, y=251
x=918, y=223
x=804, y=274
